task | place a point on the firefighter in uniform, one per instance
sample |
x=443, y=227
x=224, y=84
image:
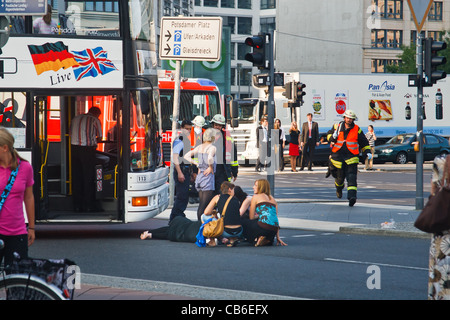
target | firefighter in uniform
x=347, y=139
x=226, y=154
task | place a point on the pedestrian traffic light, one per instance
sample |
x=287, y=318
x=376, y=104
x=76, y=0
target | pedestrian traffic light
x=431, y=61
x=298, y=91
x=288, y=90
x=258, y=56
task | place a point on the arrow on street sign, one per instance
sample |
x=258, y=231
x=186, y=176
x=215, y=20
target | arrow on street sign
x=167, y=49
x=168, y=35
x=419, y=10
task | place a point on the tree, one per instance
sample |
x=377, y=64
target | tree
x=407, y=63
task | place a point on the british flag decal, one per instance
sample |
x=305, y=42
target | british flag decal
x=92, y=62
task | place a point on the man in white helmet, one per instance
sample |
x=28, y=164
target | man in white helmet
x=347, y=139
x=199, y=123
x=226, y=154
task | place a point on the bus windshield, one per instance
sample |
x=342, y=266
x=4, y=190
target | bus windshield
x=192, y=103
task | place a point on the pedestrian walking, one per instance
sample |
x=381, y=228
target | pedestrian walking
x=309, y=139
x=206, y=164
x=294, y=145
x=347, y=140
x=371, y=137
x=182, y=172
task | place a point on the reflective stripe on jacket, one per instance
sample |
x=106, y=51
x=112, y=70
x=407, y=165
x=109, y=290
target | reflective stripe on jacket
x=351, y=141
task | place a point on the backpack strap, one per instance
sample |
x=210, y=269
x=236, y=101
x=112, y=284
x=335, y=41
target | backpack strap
x=9, y=186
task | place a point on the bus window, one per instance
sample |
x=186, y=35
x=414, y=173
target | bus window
x=200, y=105
x=192, y=103
x=82, y=18
x=144, y=127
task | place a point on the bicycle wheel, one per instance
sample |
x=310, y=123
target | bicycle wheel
x=21, y=287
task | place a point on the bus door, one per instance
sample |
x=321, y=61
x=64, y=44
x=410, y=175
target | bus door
x=54, y=170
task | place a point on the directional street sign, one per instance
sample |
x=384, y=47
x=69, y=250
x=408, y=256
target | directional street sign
x=23, y=7
x=419, y=10
x=191, y=38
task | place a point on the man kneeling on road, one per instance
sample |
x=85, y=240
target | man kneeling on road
x=347, y=139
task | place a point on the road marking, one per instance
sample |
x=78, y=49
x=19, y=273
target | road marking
x=312, y=235
x=374, y=263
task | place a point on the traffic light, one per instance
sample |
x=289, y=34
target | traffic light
x=258, y=56
x=431, y=60
x=298, y=91
x=288, y=90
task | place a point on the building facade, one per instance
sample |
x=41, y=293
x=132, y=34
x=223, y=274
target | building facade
x=350, y=36
x=334, y=36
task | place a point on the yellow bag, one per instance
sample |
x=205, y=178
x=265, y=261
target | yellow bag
x=214, y=228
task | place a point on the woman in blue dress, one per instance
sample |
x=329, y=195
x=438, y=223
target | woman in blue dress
x=263, y=226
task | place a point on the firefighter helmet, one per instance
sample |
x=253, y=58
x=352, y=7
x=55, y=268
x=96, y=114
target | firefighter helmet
x=219, y=119
x=350, y=114
x=199, y=121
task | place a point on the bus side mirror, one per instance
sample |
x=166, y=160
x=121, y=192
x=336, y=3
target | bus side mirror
x=144, y=100
x=234, y=113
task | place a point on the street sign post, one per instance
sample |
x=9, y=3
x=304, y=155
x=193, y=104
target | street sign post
x=191, y=38
x=187, y=38
x=419, y=10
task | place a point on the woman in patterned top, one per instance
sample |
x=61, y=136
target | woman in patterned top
x=263, y=225
x=439, y=262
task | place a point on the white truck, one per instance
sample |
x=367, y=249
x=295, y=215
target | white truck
x=384, y=101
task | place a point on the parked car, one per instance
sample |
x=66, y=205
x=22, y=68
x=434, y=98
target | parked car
x=400, y=149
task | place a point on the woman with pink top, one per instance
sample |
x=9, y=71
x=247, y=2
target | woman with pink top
x=13, y=230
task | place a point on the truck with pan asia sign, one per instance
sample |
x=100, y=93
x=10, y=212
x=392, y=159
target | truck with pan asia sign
x=384, y=101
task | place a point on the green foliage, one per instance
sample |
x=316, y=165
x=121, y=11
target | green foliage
x=407, y=63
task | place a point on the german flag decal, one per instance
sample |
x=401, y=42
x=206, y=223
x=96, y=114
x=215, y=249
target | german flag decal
x=51, y=56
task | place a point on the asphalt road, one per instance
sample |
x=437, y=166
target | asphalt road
x=314, y=265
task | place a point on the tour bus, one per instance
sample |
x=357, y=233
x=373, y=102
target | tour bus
x=197, y=97
x=96, y=53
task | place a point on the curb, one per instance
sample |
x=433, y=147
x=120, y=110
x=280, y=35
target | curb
x=402, y=229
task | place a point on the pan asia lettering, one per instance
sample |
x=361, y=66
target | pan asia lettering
x=385, y=86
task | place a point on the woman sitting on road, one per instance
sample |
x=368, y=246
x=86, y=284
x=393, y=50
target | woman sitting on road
x=232, y=221
x=262, y=230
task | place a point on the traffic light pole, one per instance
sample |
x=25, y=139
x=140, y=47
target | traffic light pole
x=271, y=117
x=419, y=133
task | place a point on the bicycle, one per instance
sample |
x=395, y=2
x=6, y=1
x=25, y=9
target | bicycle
x=35, y=279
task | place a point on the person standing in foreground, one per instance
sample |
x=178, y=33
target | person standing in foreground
x=308, y=141
x=204, y=182
x=182, y=172
x=371, y=137
x=226, y=154
x=13, y=230
x=439, y=254
x=347, y=140
x=85, y=132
